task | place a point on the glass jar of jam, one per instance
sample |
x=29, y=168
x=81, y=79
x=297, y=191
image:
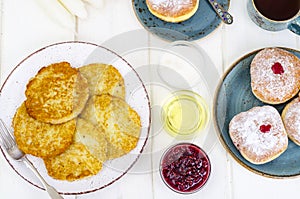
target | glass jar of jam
x=185, y=168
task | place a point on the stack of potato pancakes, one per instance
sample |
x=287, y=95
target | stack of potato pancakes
x=75, y=119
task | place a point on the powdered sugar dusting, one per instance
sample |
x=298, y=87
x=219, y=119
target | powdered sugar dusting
x=172, y=6
x=275, y=86
x=292, y=120
x=245, y=132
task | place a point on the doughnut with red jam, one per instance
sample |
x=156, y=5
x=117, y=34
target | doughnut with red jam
x=275, y=75
x=259, y=134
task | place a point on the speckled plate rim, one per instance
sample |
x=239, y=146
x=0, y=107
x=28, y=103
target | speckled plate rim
x=5, y=155
x=197, y=39
x=218, y=131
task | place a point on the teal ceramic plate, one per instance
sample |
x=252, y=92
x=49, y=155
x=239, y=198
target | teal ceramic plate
x=202, y=23
x=233, y=96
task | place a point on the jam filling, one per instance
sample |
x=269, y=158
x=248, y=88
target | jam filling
x=277, y=68
x=185, y=168
x=265, y=128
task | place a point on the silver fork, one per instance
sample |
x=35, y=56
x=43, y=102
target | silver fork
x=9, y=143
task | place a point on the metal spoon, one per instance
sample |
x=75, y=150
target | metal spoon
x=221, y=12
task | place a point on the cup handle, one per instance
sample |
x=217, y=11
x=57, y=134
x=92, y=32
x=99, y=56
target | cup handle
x=294, y=26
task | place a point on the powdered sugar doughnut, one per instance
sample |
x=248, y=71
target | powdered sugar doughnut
x=291, y=119
x=259, y=134
x=173, y=10
x=275, y=75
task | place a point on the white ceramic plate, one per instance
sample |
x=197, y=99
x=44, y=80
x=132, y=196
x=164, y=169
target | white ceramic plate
x=77, y=54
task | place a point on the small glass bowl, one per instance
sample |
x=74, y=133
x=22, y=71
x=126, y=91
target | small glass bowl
x=185, y=168
x=184, y=114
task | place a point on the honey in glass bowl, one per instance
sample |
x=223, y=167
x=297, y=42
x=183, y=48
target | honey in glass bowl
x=185, y=168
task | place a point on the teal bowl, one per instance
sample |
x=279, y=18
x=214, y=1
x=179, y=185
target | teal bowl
x=233, y=96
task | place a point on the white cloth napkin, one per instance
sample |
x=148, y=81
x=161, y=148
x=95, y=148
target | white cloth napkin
x=64, y=12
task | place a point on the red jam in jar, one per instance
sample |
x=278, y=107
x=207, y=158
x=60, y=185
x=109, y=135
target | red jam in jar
x=185, y=168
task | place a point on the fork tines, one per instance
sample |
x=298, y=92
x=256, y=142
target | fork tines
x=6, y=136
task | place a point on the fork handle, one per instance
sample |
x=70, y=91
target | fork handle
x=51, y=191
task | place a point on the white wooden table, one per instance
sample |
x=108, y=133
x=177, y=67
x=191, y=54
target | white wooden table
x=26, y=26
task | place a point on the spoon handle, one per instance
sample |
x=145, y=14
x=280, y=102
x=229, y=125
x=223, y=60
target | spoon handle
x=221, y=12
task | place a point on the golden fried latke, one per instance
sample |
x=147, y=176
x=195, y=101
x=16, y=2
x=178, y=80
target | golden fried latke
x=56, y=94
x=103, y=79
x=41, y=139
x=120, y=122
x=75, y=163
